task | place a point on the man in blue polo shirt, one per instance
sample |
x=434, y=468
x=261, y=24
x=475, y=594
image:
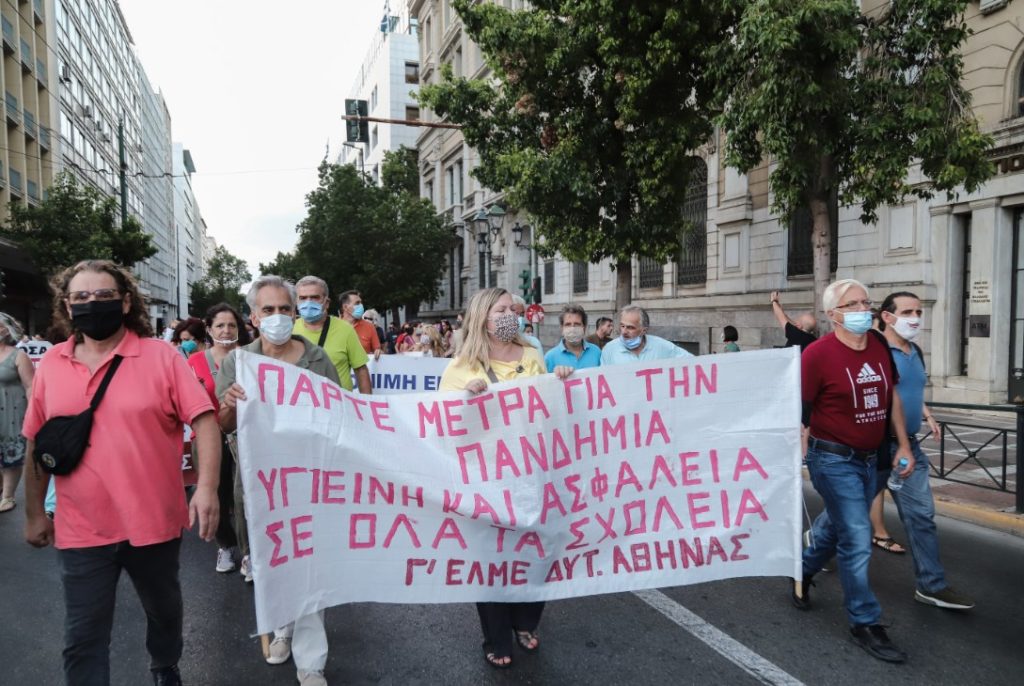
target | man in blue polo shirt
x=900, y=315
x=572, y=350
x=634, y=344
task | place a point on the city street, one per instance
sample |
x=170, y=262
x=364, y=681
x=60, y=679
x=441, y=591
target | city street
x=741, y=631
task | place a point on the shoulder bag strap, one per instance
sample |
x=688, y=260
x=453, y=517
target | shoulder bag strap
x=106, y=382
x=491, y=375
x=323, y=332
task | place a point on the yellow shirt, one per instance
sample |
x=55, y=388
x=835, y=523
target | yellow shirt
x=457, y=375
x=342, y=346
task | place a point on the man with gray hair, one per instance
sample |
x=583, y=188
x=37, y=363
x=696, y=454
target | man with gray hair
x=799, y=331
x=272, y=303
x=847, y=380
x=635, y=344
x=334, y=335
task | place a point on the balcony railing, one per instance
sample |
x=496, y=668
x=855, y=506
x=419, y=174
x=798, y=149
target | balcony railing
x=8, y=33
x=16, y=182
x=13, y=113
x=33, y=190
x=41, y=72
x=44, y=138
x=30, y=125
x=3, y=179
x=37, y=11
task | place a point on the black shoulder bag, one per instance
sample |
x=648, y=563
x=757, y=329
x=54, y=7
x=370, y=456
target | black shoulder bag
x=61, y=441
x=323, y=333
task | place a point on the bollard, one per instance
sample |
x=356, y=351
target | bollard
x=1020, y=457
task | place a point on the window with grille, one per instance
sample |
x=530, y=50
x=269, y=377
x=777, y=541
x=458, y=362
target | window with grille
x=693, y=249
x=580, y=277
x=549, y=277
x=652, y=273
x=800, y=260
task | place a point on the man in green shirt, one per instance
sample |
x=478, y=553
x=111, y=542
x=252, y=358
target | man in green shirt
x=336, y=336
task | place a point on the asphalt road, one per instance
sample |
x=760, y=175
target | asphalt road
x=730, y=632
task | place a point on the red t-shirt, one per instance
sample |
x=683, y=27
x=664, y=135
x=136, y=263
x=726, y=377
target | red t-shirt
x=207, y=377
x=128, y=486
x=850, y=390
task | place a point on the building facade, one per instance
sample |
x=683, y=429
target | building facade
x=386, y=80
x=964, y=257
x=189, y=226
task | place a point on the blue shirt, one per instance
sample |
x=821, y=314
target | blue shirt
x=911, y=386
x=562, y=356
x=654, y=349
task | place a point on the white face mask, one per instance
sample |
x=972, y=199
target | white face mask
x=572, y=334
x=277, y=328
x=226, y=341
x=907, y=327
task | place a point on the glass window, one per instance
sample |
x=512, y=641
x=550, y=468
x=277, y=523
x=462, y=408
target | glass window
x=652, y=273
x=549, y=277
x=580, y=277
x=693, y=249
x=412, y=72
x=412, y=113
x=1020, y=90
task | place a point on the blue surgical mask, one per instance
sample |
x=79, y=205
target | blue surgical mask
x=522, y=323
x=311, y=311
x=189, y=347
x=358, y=310
x=857, y=323
x=632, y=343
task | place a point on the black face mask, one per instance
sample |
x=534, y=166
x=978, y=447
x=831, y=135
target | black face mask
x=98, y=319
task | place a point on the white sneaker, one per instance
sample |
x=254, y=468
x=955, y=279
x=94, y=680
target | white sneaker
x=245, y=569
x=280, y=650
x=225, y=563
x=311, y=678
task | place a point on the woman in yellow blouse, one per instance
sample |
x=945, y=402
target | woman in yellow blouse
x=491, y=351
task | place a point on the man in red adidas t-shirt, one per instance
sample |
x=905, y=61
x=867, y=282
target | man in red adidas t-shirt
x=848, y=378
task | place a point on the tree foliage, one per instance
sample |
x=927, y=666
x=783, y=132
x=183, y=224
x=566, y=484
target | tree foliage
x=225, y=276
x=75, y=222
x=590, y=117
x=387, y=243
x=845, y=102
x=399, y=172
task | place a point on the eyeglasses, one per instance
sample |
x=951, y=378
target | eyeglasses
x=79, y=297
x=860, y=304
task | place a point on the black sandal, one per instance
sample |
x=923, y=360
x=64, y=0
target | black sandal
x=491, y=658
x=523, y=638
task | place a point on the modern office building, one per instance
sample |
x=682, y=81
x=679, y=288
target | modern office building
x=387, y=77
x=189, y=226
x=964, y=257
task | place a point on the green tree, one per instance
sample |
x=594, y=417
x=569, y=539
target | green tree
x=590, y=118
x=387, y=243
x=288, y=265
x=225, y=276
x=75, y=222
x=844, y=102
x=399, y=171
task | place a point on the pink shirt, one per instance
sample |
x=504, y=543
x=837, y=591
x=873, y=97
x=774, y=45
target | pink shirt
x=128, y=486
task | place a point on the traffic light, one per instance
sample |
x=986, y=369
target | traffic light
x=3, y=286
x=525, y=283
x=536, y=290
x=356, y=130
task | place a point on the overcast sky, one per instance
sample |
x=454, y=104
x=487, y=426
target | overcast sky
x=255, y=88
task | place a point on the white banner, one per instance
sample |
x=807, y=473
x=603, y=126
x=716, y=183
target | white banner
x=619, y=478
x=393, y=374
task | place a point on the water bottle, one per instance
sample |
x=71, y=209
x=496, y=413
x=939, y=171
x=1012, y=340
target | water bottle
x=895, y=480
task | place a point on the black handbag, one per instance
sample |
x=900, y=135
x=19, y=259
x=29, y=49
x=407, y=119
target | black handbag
x=61, y=441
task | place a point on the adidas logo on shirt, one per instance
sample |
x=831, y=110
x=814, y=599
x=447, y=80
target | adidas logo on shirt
x=867, y=374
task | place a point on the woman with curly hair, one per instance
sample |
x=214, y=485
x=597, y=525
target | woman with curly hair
x=122, y=507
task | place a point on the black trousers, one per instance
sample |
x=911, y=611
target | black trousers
x=90, y=585
x=500, y=620
x=225, y=534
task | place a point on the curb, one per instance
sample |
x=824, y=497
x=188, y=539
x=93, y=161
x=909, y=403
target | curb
x=1007, y=522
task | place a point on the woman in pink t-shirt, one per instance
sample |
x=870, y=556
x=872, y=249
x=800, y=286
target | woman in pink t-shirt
x=225, y=330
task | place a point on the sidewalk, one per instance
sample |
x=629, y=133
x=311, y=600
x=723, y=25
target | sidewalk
x=982, y=434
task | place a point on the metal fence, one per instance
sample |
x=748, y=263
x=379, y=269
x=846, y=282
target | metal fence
x=980, y=455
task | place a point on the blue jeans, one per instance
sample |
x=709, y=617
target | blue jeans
x=917, y=512
x=843, y=529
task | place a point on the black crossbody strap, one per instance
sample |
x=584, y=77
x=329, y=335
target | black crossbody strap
x=323, y=333
x=491, y=375
x=106, y=382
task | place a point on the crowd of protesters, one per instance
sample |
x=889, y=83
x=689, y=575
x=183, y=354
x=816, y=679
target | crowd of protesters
x=179, y=395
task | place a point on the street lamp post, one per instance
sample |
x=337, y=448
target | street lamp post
x=362, y=170
x=488, y=224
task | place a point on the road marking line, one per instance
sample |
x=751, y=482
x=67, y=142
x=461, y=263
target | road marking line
x=725, y=645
